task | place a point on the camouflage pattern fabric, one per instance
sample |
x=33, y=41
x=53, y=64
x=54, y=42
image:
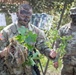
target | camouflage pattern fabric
x=68, y=70
x=12, y=59
x=9, y=32
x=69, y=30
x=69, y=62
x=12, y=30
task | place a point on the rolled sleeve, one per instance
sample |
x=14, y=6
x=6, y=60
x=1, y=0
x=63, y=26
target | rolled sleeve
x=43, y=48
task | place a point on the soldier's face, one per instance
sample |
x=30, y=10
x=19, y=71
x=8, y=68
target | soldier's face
x=73, y=18
x=24, y=18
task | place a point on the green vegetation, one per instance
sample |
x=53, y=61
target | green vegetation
x=27, y=39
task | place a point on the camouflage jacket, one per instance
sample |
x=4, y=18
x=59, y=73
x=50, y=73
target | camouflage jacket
x=69, y=30
x=13, y=61
x=12, y=30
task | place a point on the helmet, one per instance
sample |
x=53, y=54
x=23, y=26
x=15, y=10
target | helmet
x=73, y=11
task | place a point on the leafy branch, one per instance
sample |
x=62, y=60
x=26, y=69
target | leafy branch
x=28, y=39
x=52, y=37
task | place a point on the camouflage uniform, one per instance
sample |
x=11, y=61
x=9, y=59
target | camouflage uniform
x=11, y=31
x=69, y=60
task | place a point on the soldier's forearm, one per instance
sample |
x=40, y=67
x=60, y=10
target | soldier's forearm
x=43, y=48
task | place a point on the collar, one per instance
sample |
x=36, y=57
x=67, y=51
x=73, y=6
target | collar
x=30, y=26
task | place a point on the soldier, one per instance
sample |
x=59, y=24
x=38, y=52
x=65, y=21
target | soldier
x=24, y=15
x=69, y=59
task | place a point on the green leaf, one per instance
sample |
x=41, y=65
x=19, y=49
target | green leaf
x=30, y=47
x=20, y=38
x=29, y=62
x=32, y=62
x=35, y=55
x=22, y=30
x=30, y=38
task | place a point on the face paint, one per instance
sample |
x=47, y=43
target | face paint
x=25, y=12
x=25, y=16
x=25, y=19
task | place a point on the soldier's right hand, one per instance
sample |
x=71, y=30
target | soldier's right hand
x=53, y=54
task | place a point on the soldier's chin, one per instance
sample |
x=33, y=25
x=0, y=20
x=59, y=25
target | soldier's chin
x=23, y=24
x=26, y=25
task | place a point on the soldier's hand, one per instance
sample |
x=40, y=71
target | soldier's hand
x=53, y=54
x=56, y=64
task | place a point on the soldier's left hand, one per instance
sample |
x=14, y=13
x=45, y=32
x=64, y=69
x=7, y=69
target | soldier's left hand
x=53, y=54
